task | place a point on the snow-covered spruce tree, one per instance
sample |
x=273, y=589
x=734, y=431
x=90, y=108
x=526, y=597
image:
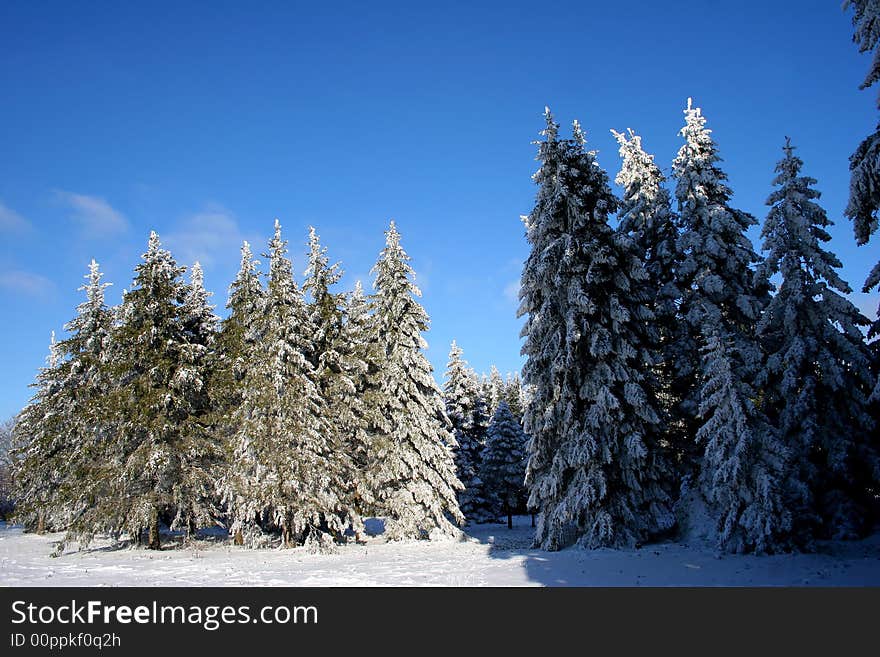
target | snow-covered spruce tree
x=201, y=326
x=245, y=305
x=159, y=460
x=817, y=376
x=41, y=450
x=594, y=471
x=504, y=462
x=646, y=216
x=514, y=395
x=714, y=271
x=864, y=163
x=464, y=408
x=744, y=468
x=363, y=337
x=493, y=390
x=339, y=367
x=412, y=465
x=285, y=473
x=62, y=463
x=233, y=346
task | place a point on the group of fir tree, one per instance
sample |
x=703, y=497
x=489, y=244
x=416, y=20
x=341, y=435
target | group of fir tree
x=666, y=378
x=302, y=412
x=490, y=457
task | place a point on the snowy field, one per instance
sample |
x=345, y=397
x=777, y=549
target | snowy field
x=489, y=555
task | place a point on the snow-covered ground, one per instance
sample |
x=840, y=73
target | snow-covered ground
x=489, y=555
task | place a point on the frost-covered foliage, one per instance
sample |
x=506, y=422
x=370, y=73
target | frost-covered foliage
x=285, y=472
x=245, y=305
x=744, y=466
x=514, y=395
x=466, y=411
x=339, y=365
x=198, y=314
x=504, y=463
x=864, y=163
x=646, y=216
x=412, y=466
x=364, y=342
x=59, y=435
x=594, y=471
x=817, y=377
x=157, y=462
x=42, y=449
x=492, y=389
x=714, y=272
x=6, y=496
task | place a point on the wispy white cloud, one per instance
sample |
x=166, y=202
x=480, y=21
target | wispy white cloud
x=25, y=283
x=211, y=236
x=511, y=292
x=94, y=214
x=11, y=221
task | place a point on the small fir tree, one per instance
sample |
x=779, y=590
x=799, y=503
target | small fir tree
x=503, y=463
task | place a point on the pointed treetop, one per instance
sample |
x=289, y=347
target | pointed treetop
x=54, y=357
x=693, y=117
x=94, y=273
x=788, y=149
x=552, y=128
x=578, y=133
x=358, y=289
x=154, y=244
x=392, y=237
x=197, y=276
x=95, y=288
x=246, y=250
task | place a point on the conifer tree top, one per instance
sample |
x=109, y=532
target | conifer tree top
x=95, y=288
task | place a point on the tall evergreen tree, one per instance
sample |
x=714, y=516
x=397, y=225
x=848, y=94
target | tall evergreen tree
x=414, y=472
x=503, y=462
x=744, y=471
x=63, y=430
x=158, y=463
x=646, y=216
x=817, y=377
x=363, y=337
x=593, y=472
x=714, y=268
x=233, y=347
x=339, y=365
x=285, y=473
x=41, y=450
x=237, y=331
x=864, y=164
x=465, y=409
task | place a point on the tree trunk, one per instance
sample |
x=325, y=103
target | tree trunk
x=239, y=538
x=509, y=518
x=41, y=522
x=533, y=519
x=154, y=541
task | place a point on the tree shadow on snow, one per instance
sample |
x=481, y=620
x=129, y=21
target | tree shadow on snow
x=541, y=567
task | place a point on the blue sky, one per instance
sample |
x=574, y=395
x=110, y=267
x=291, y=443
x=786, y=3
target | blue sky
x=205, y=121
